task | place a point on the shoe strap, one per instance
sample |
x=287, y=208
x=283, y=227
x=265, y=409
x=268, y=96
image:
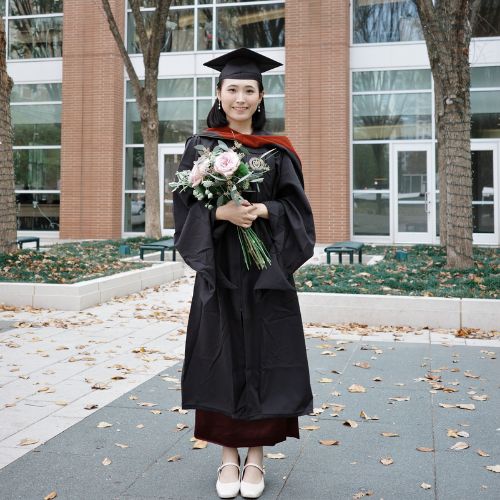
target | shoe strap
x=255, y=465
x=227, y=463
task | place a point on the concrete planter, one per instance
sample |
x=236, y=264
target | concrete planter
x=79, y=296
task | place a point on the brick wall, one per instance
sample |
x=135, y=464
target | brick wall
x=92, y=123
x=317, y=107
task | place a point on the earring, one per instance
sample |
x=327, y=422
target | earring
x=258, y=108
x=219, y=104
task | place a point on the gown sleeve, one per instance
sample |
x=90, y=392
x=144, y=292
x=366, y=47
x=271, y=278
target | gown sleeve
x=291, y=219
x=195, y=227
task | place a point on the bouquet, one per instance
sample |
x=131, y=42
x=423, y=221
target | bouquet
x=221, y=175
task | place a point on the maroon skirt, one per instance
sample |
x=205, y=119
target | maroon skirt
x=226, y=431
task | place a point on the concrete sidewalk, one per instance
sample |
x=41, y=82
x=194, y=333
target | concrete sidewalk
x=406, y=377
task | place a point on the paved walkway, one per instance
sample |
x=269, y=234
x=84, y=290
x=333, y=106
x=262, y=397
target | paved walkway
x=122, y=361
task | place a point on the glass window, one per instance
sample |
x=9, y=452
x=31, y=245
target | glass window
x=371, y=214
x=33, y=38
x=134, y=169
x=251, y=26
x=35, y=7
x=381, y=21
x=485, y=114
x=488, y=21
x=37, y=125
x=205, y=29
x=135, y=212
x=176, y=120
x=371, y=166
x=178, y=37
x=483, y=192
x=203, y=107
x=36, y=92
x=37, y=169
x=273, y=84
x=488, y=76
x=374, y=81
x=204, y=87
x=392, y=116
x=168, y=87
x=37, y=211
x=2, y=8
x=175, y=3
x=275, y=114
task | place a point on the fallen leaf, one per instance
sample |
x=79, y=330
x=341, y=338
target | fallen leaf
x=377, y=379
x=181, y=426
x=275, y=456
x=386, y=461
x=493, y=468
x=140, y=426
x=147, y=404
x=362, y=364
x=121, y=445
x=424, y=449
x=362, y=493
x=156, y=412
x=27, y=441
x=310, y=427
x=90, y=406
x=426, y=486
x=447, y=405
x=466, y=406
x=329, y=442
x=461, y=445
x=351, y=423
x=102, y=425
x=356, y=388
x=50, y=496
x=400, y=398
x=106, y=461
x=480, y=397
x=389, y=434
x=325, y=380
x=470, y=374
x=199, y=444
x=174, y=458
x=482, y=453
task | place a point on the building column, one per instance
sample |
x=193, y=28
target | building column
x=92, y=123
x=317, y=108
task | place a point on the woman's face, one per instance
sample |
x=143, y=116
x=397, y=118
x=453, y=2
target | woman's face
x=239, y=99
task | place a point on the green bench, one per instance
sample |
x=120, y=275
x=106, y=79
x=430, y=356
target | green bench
x=345, y=247
x=28, y=239
x=159, y=245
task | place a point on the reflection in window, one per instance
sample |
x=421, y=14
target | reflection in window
x=381, y=21
x=37, y=169
x=392, y=116
x=37, y=211
x=485, y=76
x=36, y=92
x=373, y=81
x=371, y=166
x=205, y=29
x=179, y=35
x=274, y=84
x=483, y=192
x=37, y=124
x=488, y=21
x=203, y=107
x=34, y=7
x=253, y=26
x=371, y=214
x=134, y=169
x=485, y=114
x=34, y=38
x=135, y=212
x=275, y=114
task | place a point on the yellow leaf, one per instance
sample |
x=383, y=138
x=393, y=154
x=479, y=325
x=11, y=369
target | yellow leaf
x=199, y=444
x=310, y=427
x=329, y=442
x=362, y=364
x=356, y=388
x=50, y=496
x=27, y=441
x=325, y=380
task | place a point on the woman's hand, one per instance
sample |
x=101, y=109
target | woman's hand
x=241, y=215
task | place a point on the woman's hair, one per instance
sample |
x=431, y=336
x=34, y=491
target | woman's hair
x=217, y=117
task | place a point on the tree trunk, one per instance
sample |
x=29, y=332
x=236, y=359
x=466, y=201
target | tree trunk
x=447, y=28
x=8, y=220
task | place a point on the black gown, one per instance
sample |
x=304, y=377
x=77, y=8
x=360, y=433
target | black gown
x=245, y=355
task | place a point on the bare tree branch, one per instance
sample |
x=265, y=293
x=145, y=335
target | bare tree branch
x=144, y=40
x=134, y=79
x=159, y=27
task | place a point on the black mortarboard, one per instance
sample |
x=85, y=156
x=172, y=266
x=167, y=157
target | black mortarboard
x=242, y=64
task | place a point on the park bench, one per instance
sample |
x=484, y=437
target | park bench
x=345, y=247
x=28, y=239
x=159, y=245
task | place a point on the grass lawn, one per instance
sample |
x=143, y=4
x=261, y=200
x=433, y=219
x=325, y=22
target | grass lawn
x=423, y=274
x=69, y=262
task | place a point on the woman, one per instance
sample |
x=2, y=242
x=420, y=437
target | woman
x=245, y=369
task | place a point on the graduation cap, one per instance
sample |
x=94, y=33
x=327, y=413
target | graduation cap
x=242, y=64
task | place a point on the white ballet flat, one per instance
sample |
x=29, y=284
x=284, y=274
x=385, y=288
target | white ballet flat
x=252, y=490
x=227, y=490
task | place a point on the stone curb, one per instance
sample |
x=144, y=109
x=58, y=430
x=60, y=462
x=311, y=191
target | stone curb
x=79, y=296
x=393, y=310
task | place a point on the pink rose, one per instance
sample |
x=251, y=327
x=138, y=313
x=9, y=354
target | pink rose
x=200, y=169
x=227, y=163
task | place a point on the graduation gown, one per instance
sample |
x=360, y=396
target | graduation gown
x=245, y=352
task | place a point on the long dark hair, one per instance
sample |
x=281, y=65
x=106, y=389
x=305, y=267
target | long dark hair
x=217, y=117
